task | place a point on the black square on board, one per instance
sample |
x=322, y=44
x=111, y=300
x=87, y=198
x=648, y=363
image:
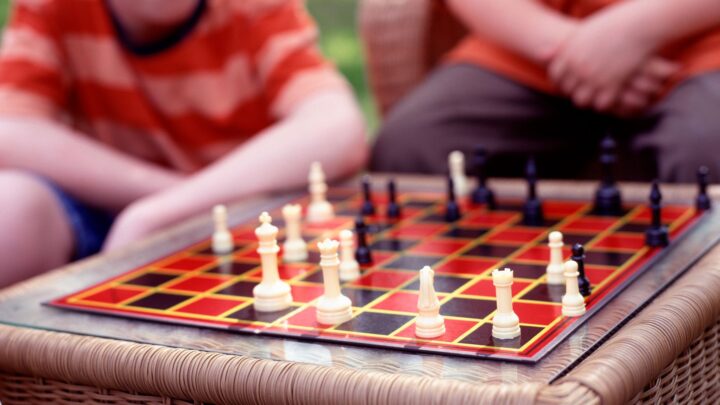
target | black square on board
x=606, y=258
x=483, y=336
x=234, y=268
x=468, y=308
x=573, y=238
x=159, y=301
x=249, y=314
x=239, y=289
x=465, y=233
x=316, y=277
x=378, y=324
x=631, y=227
x=409, y=262
x=491, y=250
x=523, y=270
x=393, y=245
x=443, y=283
x=150, y=279
x=208, y=250
x=360, y=296
x=433, y=217
x=417, y=203
x=546, y=293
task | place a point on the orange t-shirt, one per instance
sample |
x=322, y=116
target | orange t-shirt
x=234, y=68
x=696, y=55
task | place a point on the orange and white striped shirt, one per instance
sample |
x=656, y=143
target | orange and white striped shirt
x=234, y=68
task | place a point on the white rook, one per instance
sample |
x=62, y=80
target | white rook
x=333, y=307
x=573, y=303
x=555, y=267
x=506, y=324
x=294, y=247
x=272, y=294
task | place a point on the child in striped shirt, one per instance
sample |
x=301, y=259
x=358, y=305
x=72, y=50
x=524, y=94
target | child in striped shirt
x=139, y=113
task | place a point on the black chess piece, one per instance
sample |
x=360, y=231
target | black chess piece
x=702, y=201
x=657, y=234
x=452, y=209
x=482, y=194
x=367, y=208
x=393, y=209
x=532, y=209
x=363, y=255
x=607, y=197
x=578, y=256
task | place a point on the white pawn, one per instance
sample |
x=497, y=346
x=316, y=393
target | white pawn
x=222, y=240
x=456, y=164
x=573, y=303
x=349, y=267
x=319, y=210
x=506, y=324
x=333, y=307
x=294, y=247
x=555, y=267
x=272, y=294
x=429, y=323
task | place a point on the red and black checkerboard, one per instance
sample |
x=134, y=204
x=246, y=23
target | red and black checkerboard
x=195, y=287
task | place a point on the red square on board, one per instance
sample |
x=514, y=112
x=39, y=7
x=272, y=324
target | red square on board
x=210, y=306
x=112, y=295
x=538, y=314
x=399, y=301
x=486, y=288
x=597, y=275
x=250, y=253
x=589, y=224
x=307, y=318
x=561, y=208
x=291, y=270
x=669, y=213
x=326, y=225
x=466, y=266
x=488, y=218
x=384, y=279
x=621, y=241
x=454, y=328
x=517, y=236
x=415, y=231
x=197, y=284
x=541, y=253
x=438, y=246
x=188, y=263
x=244, y=235
x=305, y=293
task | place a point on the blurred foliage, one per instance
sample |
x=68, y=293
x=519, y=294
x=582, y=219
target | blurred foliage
x=339, y=41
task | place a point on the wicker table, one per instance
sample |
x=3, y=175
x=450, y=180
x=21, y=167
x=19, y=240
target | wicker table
x=667, y=352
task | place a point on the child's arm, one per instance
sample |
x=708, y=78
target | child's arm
x=85, y=168
x=326, y=127
x=524, y=26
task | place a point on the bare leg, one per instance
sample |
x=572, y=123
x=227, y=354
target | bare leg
x=36, y=235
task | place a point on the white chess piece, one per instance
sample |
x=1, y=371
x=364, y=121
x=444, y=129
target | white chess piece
x=333, y=307
x=349, y=267
x=506, y=324
x=429, y=323
x=456, y=164
x=272, y=294
x=294, y=247
x=555, y=267
x=222, y=240
x=573, y=303
x=320, y=209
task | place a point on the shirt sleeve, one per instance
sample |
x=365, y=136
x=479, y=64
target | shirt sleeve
x=32, y=81
x=287, y=58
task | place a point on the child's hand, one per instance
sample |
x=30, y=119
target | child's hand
x=135, y=222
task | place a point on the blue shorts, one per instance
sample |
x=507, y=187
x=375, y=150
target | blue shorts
x=89, y=225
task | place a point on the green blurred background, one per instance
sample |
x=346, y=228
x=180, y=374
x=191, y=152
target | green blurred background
x=339, y=41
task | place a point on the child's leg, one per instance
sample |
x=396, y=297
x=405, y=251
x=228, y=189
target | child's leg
x=36, y=235
x=461, y=106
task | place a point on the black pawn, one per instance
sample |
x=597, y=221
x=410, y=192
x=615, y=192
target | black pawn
x=607, y=198
x=702, y=201
x=657, y=234
x=482, y=194
x=367, y=209
x=362, y=253
x=452, y=210
x=393, y=209
x=578, y=256
x=532, y=209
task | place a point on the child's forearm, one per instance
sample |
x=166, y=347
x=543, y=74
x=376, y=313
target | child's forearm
x=87, y=169
x=524, y=26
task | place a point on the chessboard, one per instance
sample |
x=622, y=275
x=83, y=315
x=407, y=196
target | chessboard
x=194, y=286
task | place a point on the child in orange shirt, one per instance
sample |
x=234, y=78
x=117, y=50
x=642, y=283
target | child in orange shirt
x=156, y=110
x=551, y=77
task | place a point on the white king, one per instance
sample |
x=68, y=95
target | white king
x=506, y=324
x=272, y=294
x=333, y=307
x=429, y=323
